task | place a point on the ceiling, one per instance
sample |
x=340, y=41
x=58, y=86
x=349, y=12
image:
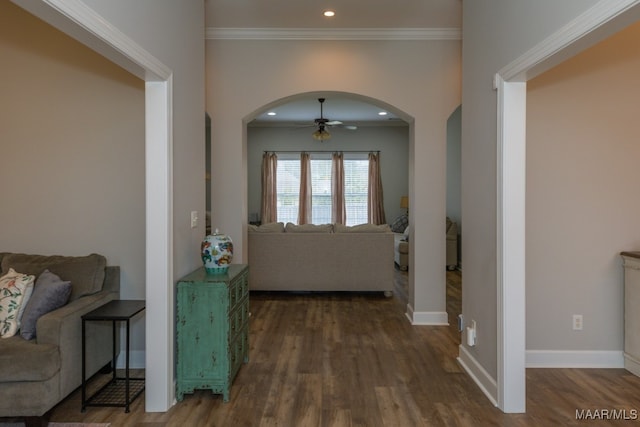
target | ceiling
x=350, y=14
x=304, y=110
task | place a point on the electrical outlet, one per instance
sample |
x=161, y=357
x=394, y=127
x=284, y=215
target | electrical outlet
x=577, y=322
x=460, y=323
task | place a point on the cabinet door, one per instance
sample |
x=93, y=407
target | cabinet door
x=202, y=325
x=632, y=312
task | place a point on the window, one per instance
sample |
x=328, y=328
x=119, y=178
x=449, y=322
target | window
x=320, y=191
x=356, y=177
x=356, y=191
x=288, y=190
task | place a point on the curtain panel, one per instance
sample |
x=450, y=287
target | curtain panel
x=338, y=208
x=269, y=207
x=375, y=200
x=304, y=200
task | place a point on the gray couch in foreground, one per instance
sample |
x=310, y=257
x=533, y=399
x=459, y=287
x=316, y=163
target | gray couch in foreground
x=317, y=258
x=38, y=373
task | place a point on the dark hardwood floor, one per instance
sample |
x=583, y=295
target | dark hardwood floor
x=354, y=360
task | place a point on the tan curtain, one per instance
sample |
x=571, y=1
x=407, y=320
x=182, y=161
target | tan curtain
x=338, y=210
x=304, y=200
x=375, y=201
x=269, y=208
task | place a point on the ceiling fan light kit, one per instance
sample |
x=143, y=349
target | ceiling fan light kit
x=321, y=135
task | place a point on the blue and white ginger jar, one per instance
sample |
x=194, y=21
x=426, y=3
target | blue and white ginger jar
x=217, y=252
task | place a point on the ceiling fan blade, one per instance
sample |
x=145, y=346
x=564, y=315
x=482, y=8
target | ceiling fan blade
x=333, y=122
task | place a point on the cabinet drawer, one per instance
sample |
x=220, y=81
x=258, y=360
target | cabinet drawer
x=239, y=351
x=238, y=288
x=238, y=318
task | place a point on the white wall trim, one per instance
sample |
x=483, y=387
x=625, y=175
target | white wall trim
x=631, y=364
x=510, y=243
x=427, y=318
x=76, y=19
x=159, y=395
x=575, y=359
x=433, y=34
x=576, y=35
x=566, y=40
x=478, y=374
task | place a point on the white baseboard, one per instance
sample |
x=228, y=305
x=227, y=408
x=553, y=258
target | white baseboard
x=136, y=360
x=423, y=318
x=479, y=375
x=632, y=364
x=574, y=359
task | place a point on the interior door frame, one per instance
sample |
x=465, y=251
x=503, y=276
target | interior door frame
x=598, y=22
x=82, y=23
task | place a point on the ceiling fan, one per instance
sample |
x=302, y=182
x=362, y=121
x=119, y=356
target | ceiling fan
x=322, y=134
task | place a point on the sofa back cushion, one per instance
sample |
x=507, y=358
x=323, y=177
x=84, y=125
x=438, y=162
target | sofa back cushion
x=86, y=273
x=309, y=228
x=272, y=227
x=362, y=228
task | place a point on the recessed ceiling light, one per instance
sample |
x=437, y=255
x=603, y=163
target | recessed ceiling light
x=271, y=113
x=382, y=113
x=329, y=13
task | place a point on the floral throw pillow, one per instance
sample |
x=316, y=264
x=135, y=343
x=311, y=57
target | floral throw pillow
x=13, y=289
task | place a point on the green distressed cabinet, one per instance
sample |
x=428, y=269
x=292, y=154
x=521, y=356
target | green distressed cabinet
x=212, y=330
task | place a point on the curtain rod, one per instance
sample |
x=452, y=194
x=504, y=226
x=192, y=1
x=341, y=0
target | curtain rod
x=325, y=151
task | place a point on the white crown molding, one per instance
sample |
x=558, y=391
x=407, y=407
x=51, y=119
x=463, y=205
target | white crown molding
x=432, y=34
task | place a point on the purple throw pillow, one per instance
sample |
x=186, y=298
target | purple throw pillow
x=49, y=293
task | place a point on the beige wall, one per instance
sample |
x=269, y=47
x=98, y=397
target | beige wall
x=166, y=39
x=582, y=199
x=173, y=32
x=420, y=79
x=72, y=149
x=495, y=34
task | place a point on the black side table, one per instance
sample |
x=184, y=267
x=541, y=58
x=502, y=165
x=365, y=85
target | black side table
x=118, y=391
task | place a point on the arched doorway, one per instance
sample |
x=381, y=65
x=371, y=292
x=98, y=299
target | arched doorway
x=354, y=127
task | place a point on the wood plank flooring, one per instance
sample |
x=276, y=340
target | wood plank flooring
x=348, y=360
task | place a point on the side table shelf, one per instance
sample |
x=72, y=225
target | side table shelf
x=119, y=391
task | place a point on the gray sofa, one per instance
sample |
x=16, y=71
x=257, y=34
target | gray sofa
x=38, y=373
x=319, y=258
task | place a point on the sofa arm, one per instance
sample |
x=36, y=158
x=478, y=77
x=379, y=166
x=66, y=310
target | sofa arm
x=63, y=327
x=54, y=327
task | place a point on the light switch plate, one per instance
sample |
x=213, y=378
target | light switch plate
x=194, y=219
